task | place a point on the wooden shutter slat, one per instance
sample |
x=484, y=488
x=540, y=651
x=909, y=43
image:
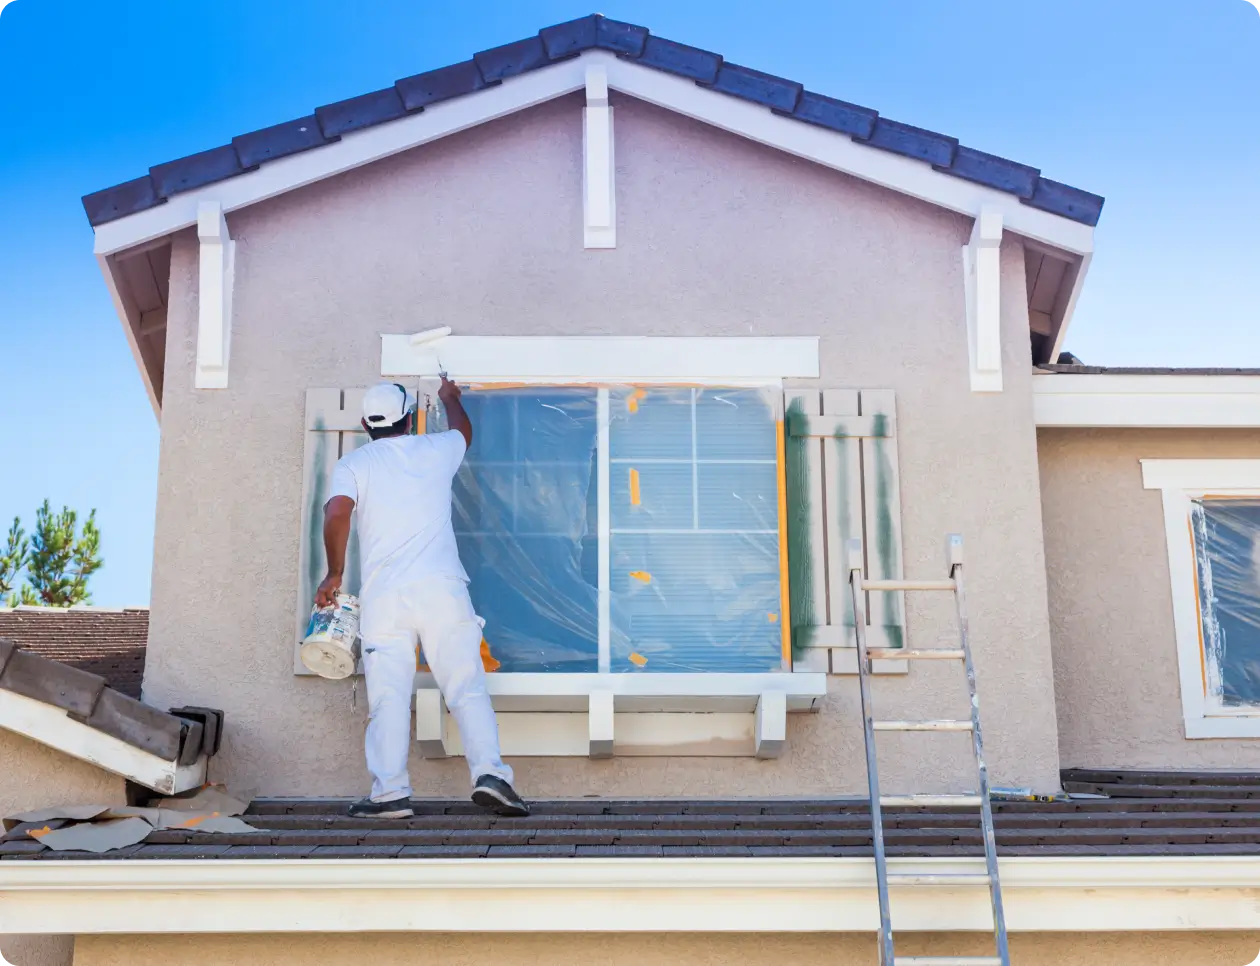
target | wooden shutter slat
x=807, y=560
x=882, y=499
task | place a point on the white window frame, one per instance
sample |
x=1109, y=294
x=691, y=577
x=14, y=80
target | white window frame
x=1181, y=481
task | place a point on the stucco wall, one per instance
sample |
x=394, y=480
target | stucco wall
x=716, y=236
x=1115, y=651
x=1027, y=949
x=34, y=776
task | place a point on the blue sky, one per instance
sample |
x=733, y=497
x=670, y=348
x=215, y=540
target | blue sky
x=1152, y=103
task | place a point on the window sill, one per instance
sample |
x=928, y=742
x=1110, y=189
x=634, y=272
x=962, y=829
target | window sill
x=601, y=715
x=1224, y=726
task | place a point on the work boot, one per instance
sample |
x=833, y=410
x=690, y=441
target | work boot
x=494, y=793
x=366, y=808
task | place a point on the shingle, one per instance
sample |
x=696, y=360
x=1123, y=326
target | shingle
x=989, y=169
x=835, y=115
x=196, y=170
x=52, y=682
x=913, y=142
x=699, y=65
x=356, y=851
x=443, y=851
x=355, y=113
x=752, y=85
x=571, y=37
x=621, y=38
x=189, y=851
x=500, y=63
x=620, y=851
x=268, y=851
x=139, y=725
x=7, y=648
x=120, y=200
x=279, y=141
x=442, y=84
x=1062, y=199
x=532, y=851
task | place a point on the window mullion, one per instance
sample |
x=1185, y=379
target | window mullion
x=695, y=468
x=603, y=438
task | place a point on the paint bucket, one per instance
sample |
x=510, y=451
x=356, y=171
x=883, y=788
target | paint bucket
x=330, y=648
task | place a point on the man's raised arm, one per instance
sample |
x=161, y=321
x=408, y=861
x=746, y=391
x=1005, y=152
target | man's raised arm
x=456, y=418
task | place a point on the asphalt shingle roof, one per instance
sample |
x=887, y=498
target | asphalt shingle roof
x=629, y=41
x=110, y=643
x=1144, y=813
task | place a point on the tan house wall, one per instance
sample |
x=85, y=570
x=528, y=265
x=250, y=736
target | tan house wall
x=34, y=776
x=1115, y=651
x=716, y=236
x=651, y=949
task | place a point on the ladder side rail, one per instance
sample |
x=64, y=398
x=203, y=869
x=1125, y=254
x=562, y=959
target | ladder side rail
x=977, y=743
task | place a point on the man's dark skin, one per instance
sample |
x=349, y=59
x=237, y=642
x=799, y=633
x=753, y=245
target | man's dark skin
x=337, y=510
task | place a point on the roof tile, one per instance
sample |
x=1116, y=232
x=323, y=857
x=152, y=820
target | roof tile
x=699, y=65
x=1062, y=199
x=138, y=724
x=989, y=169
x=914, y=142
x=279, y=140
x=432, y=86
x=835, y=114
x=121, y=200
x=500, y=63
x=205, y=167
x=51, y=682
x=359, y=112
x=752, y=85
x=571, y=37
x=621, y=38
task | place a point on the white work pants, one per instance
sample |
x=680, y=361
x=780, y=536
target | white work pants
x=440, y=614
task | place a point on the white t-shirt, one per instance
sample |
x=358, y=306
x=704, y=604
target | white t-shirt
x=401, y=487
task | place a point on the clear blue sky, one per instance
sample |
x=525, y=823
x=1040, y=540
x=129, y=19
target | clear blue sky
x=1153, y=103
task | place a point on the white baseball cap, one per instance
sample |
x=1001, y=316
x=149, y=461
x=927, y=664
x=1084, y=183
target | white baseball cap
x=386, y=403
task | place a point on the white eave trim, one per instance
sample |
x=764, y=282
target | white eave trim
x=1103, y=400
x=1042, y=894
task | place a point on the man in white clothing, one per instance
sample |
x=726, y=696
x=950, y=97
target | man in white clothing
x=414, y=589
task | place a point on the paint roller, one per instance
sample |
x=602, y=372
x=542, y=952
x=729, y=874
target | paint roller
x=429, y=336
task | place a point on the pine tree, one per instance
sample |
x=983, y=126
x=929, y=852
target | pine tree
x=61, y=559
x=12, y=560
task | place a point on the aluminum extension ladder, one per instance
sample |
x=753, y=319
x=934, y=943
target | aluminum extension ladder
x=865, y=655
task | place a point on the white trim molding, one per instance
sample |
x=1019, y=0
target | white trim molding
x=214, y=297
x=983, y=288
x=599, y=208
x=1180, y=482
x=1105, y=400
x=729, y=360
x=53, y=726
x=696, y=895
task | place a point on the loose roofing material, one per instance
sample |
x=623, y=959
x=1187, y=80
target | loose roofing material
x=628, y=41
x=1143, y=813
x=110, y=643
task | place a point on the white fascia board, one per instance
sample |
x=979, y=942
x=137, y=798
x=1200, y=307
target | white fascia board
x=617, y=359
x=53, y=727
x=1198, y=476
x=1050, y=894
x=1156, y=401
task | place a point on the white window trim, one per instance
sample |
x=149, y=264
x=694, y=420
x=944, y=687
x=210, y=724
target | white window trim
x=1181, y=481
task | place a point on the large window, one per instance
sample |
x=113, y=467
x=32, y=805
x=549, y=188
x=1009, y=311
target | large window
x=624, y=529
x=1212, y=524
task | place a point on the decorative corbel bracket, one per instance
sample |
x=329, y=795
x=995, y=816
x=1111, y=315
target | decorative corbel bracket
x=983, y=286
x=599, y=210
x=214, y=298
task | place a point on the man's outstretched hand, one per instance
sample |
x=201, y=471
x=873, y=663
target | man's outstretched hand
x=448, y=391
x=326, y=595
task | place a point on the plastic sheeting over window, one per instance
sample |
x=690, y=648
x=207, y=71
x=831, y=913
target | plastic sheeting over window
x=691, y=543
x=1227, y=558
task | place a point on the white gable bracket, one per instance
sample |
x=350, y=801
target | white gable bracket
x=214, y=297
x=599, y=213
x=983, y=293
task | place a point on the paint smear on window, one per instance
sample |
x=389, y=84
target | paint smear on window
x=1227, y=561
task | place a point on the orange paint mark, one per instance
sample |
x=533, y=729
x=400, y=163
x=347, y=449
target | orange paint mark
x=632, y=402
x=773, y=618
x=785, y=600
x=488, y=661
x=637, y=659
x=634, y=488
x=642, y=575
x=38, y=833
x=195, y=821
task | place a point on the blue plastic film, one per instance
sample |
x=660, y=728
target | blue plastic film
x=1227, y=558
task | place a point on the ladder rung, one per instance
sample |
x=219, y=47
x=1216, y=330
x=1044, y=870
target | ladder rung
x=947, y=724
x=904, y=654
x=937, y=878
x=945, y=585
x=947, y=961
x=944, y=801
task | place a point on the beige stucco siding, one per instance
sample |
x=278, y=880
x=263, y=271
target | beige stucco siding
x=1115, y=652
x=1027, y=949
x=34, y=776
x=482, y=231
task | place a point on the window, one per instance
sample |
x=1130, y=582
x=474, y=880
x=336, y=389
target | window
x=626, y=529
x=1212, y=524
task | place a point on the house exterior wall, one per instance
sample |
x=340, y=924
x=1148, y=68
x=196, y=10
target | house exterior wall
x=716, y=236
x=594, y=949
x=35, y=776
x=1115, y=650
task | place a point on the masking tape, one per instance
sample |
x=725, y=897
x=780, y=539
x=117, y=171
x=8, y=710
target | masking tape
x=637, y=659
x=634, y=488
x=642, y=575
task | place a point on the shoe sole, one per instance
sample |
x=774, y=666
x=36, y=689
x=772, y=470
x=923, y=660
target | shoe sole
x=393, y=813
x=489, y=798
